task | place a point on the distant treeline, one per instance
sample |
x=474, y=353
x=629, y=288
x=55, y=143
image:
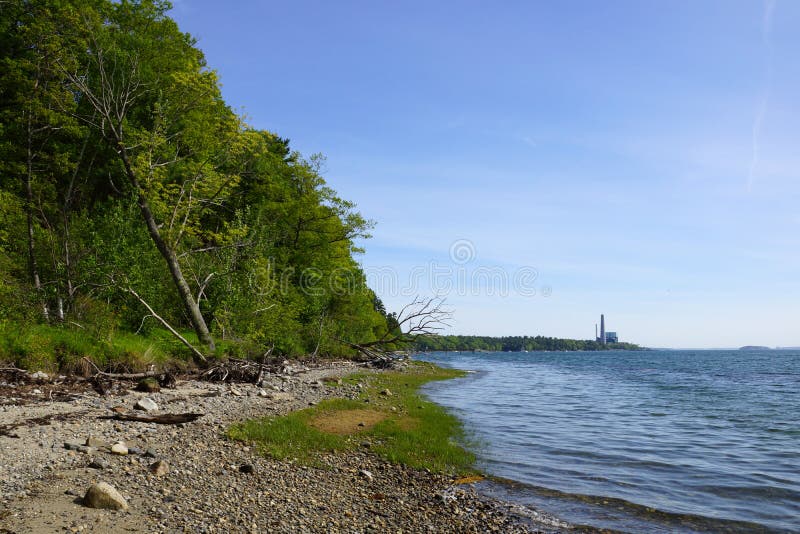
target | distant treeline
x=514, y=344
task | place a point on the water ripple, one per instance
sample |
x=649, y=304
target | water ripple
x=711, y=434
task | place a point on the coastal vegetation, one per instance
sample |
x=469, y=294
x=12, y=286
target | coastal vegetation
x=390, y=416
x=514, y=344
x=142, y=219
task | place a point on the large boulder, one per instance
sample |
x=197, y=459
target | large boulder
x=103, y=495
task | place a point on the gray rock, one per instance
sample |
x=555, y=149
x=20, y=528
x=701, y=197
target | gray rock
x=72, y=446
x=366, y=474
x=86, y=449
x=147, y=404
x=94, y=442
x=149, y=453
x=135, y=450
x=105, y=496
x=98, y=463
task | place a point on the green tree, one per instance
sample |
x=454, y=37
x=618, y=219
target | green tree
x=146, y=89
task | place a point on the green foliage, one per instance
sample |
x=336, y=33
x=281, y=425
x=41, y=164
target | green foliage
x=411, y=431
x=123, y=171
x=62, y=349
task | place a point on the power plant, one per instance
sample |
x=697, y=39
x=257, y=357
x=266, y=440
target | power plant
x=604, y=337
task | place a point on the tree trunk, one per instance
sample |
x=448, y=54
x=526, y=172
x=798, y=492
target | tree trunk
x=189, y=303
x=33, y=267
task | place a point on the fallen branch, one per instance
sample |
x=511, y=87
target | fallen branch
x=123, y=376
x=163, y=419
x=166, y=325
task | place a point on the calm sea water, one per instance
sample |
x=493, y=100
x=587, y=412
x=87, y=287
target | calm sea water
x=672, y=441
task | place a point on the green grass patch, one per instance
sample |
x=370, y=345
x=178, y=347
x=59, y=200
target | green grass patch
x=402, y=427
x=39, y=347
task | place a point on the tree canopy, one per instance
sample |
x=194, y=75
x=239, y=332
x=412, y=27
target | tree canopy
x=133, y=198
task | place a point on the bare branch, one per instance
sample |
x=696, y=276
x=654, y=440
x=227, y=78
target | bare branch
x=166, y=325
x=422, y=316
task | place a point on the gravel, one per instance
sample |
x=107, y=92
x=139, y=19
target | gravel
x=209, y=483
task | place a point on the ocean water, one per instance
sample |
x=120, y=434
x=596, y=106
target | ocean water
x=654, y=441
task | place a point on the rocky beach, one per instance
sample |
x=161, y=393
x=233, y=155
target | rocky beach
x=190, y=477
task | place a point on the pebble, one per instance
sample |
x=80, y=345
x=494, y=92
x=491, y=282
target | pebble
x=159, y=468
x=119, y=448
x=207, y=488
x=98, y=463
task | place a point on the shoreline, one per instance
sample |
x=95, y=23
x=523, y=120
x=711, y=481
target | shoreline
x=215, y=484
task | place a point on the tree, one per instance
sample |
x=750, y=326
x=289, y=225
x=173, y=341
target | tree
x=38, y=147
x=145, y=89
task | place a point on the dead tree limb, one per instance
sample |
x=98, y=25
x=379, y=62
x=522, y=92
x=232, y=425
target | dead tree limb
x=422, y=316
x=120, y=376
x=166, y=325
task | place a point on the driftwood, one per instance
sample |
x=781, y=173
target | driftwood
x=13, y=369
x=131, y=376
x=238, y=370
x=165, y=378
x=163, y=419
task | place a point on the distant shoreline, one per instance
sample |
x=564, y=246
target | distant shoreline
x=516, y=344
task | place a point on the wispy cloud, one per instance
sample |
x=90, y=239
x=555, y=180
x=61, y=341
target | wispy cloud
x=763, y=101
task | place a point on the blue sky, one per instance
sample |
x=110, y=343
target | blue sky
x=642, y=157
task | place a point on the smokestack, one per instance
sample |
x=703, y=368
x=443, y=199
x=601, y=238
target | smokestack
x=602, y=329
x=595, y=332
